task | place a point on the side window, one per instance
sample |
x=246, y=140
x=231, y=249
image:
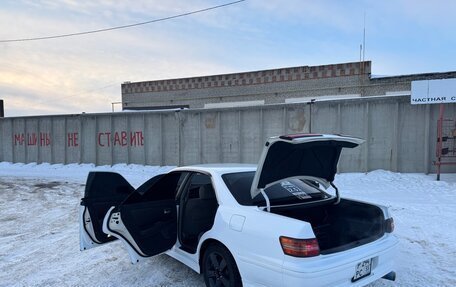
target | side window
x=197, y=180
x=180, y=181
x=239, y=184
x=162, y=187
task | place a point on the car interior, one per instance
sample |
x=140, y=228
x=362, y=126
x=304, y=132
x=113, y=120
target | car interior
x=198, y=206
x=150, y=211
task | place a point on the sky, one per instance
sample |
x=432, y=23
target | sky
x=83, y=73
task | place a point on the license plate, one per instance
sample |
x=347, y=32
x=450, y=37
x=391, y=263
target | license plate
x=362, y=270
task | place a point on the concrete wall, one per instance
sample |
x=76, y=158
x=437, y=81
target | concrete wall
x=399, y=136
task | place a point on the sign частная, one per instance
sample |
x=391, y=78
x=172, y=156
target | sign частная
x=433, y=91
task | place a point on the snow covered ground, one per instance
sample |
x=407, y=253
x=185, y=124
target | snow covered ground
x=39, y=229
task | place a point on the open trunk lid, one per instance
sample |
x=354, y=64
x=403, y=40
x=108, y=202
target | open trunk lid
x=309, y=156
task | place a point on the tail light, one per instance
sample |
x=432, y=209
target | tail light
x=389, y=225
x=300, y=247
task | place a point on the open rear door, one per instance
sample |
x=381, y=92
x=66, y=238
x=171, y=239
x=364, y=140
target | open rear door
x=147, y=224
x=103, y=190
x=146, y=229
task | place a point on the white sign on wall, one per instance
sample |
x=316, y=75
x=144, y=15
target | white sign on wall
x=433, y=91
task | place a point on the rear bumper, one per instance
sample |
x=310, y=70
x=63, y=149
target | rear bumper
x=338, y=269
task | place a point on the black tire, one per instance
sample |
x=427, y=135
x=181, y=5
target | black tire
x=219, y=268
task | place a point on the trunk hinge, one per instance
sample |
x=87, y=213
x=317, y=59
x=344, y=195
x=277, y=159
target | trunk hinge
x=337, y=193
x=268, y=204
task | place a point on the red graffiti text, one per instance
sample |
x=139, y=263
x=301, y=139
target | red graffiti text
x=122, y=138
x=72, y=139
x=32, y=139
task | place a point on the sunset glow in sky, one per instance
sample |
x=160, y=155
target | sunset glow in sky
x=84, y=73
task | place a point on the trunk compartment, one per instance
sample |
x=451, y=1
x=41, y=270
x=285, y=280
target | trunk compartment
x=342, y=226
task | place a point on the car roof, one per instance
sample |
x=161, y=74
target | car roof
x=219, y=168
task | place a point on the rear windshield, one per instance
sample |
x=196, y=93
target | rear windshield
x=288, y=191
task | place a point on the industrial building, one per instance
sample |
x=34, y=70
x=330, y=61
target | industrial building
x=283, y=85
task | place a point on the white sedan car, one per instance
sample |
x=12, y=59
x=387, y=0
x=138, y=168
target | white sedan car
x=242, y=225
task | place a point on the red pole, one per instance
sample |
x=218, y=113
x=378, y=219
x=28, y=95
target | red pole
x=440, y=139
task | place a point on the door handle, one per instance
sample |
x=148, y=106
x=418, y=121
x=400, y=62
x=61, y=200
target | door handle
x=167, y=211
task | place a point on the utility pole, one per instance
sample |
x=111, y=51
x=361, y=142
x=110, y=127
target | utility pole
x=114, y=103
x=2, y=111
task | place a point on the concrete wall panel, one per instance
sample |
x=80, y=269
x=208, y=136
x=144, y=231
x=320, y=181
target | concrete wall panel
x=135, y=140
x=44, y=140
x=59, y=140
x=120, y=138
x=89, y=139
x=7, y=140
x=153, y=139
x=298, y=117
x=230, y=137
x=251, y=134
x=274, y=122
x=104, y=140
x=171, y=136
x=326, y=118
x=211, y=137
x=72, y=139
x=20, y=141
x=32, y=139
x=191, y=138
x=411, y=142
x=354, y=121
x=383, y=123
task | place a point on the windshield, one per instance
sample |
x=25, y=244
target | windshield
x=288, y=191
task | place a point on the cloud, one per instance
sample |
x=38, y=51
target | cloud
x=76, y=74
x=61, y=71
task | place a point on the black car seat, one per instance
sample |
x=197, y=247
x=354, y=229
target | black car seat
x=200, y=213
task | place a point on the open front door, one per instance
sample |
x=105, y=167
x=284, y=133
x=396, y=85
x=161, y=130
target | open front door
x=147, y=224
x=103, y=190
